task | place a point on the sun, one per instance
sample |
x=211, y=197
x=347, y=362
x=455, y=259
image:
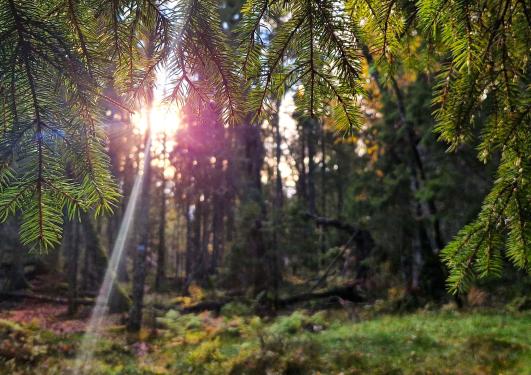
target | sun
x=164, y=119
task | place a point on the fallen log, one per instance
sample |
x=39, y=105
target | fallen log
x=346, y=292
x=205, y=306
x=333, y=262
x=362, y=239
x=330, y=222
x=45, y=298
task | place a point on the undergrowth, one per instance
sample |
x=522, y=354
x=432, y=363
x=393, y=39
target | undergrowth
x=426, y=342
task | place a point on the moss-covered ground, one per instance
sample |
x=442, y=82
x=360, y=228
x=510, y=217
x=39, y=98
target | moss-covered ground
x=299, y=342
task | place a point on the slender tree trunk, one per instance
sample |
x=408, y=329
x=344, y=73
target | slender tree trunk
x=217, y=218
x=428, y=257
x=279, y=196
x=196, y=254
x=418, y=164
x=205, y=240
x=277, y=205
x=13, y=270
x=86, y=274
x=119, y=301
x=176, y=244
x=129, y=177
x=252, y=194
x=311, y=126
x=322, y=233
x=160, y=275
x=323, y=171
x=189, y=239
x=140, y=255
x=72, y=251
x=340, y=197
x=303, y=192
x=139, y=258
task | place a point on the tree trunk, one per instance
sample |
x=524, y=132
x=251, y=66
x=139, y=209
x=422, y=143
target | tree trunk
x=254, y=155
x=129, y=178
x=277, y=206
x=140, y=255
x=72, y=234
x=302, y=169
x=323, y=170
x=11, y=261
x=217, y=219
x=160, y=275
x=189, y=239
x=278, y=154
x=423, y=252
x=205, y=240
x=311, y=125
x=119, y=301
x=139, y=258
x=196, y=241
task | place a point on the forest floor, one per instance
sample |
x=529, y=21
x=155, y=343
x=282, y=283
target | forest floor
x=38, y=338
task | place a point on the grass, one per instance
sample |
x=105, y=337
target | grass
x=434, y=343
x=301, y=343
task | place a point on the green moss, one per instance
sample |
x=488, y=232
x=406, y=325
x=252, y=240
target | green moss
x=420, y=343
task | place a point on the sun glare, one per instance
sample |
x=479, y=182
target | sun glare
x=165, y=119
x=164, y=123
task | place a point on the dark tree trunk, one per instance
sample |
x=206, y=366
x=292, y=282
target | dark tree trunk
x=205, y=240
x=323, y=170
x=11, y=258
x=72, y=234
x=279, y=196
x=140, y=255
x=229, y=232
x=254, y=156
x=129, y=173
x=277, y=206
x=119, y=301
x=160, y=275
x=217, y=218
x=196, y=240
x=189, y=239
x=423, y=252
x=322, y=232
x=418, y=165
x=139, y=258
x=312, y=142
x=303, y=192
x=86, y=273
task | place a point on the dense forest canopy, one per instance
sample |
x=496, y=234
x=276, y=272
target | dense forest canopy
x=396, y=104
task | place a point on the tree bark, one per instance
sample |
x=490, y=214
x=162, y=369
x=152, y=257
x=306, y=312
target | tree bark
x=217, y=218
x=278, y=203
x=188, y=261
x=422, y=250
x=119, y=301
x=160, y=275
x=205, y=240
x=139, y=259
x=311, y=125
x=254, y=156
x=301, y=183
x=72, y=251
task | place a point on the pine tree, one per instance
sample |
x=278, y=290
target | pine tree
x=55, y=60
x=485, y=84
x=56, y=56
